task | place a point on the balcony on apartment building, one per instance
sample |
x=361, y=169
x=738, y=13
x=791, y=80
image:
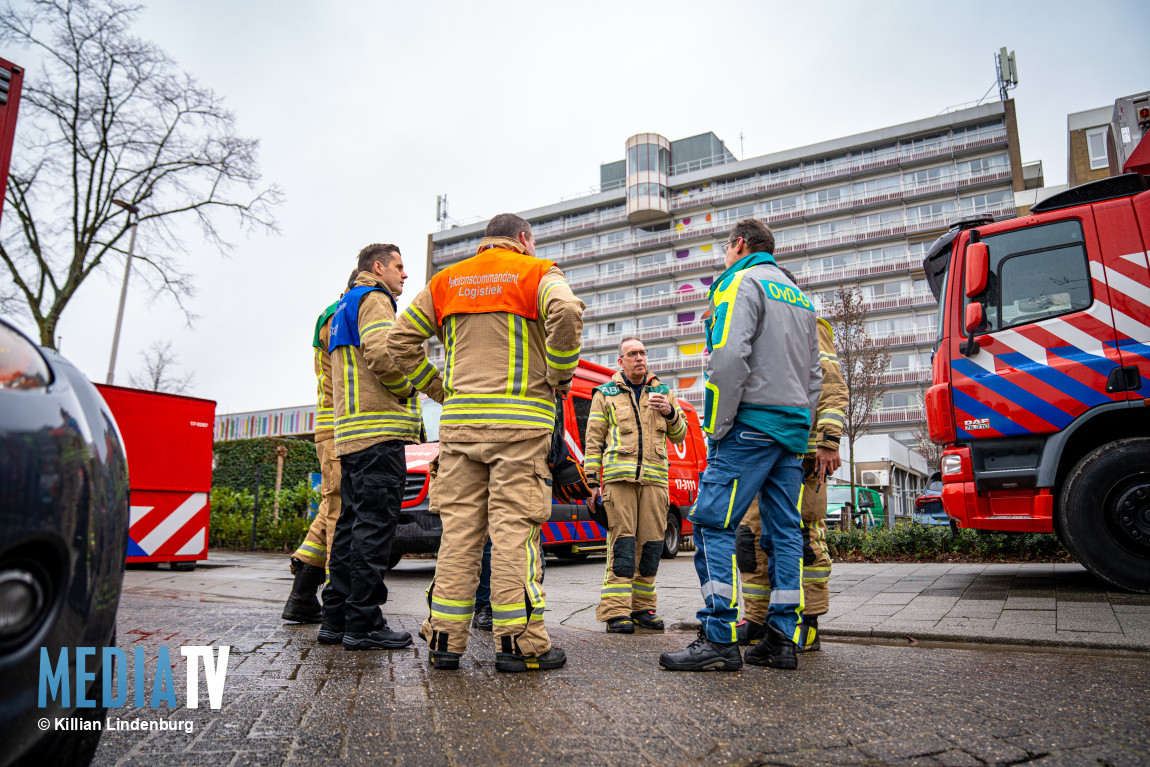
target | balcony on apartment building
x=794, y=177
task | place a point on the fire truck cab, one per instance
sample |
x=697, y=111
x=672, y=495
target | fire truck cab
x=1041, y=374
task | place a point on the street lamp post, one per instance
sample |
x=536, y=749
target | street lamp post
x=132, y=209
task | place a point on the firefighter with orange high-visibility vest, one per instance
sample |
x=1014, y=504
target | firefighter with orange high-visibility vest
x=309, y=562
x=511, y=327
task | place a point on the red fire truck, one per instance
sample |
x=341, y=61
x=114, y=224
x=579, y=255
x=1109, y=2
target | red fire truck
x=1041, y=390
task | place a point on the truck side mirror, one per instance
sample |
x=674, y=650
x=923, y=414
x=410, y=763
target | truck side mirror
x=977, y=268
x=973, y=318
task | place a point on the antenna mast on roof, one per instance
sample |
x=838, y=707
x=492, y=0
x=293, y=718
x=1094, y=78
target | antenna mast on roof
x=1007, y=72
x=441, y=216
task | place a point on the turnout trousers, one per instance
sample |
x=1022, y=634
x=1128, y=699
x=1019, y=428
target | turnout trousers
x=501, y=490
x=636, y=522
x=371, y=487
x=744, y=464
x=816, y=573
x=315, y=546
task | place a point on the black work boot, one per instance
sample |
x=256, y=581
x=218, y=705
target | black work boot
x=704, y=655
x=620, y=624
x=329, y=635
x=443, y=659
x=512, y=662
x=750, y=632
x=809, y=634
x=775, y=651
x=483, y=619
x=302, y=605
x=382, y=638
x=647, y=620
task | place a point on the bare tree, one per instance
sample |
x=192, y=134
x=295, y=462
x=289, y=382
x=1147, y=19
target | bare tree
x=104, y=116
x=161, y=371
x=863, y=362
x=926, y=447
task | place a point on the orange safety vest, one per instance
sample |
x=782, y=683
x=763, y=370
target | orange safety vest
x=496, y=280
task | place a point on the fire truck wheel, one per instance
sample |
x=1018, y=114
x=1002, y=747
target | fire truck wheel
x=673, y=536
x=1104, y=513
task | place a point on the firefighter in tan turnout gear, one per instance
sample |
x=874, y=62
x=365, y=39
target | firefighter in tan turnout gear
x=631, y=419
x=376, y=413
x=511, y=327
x=821, y=460
x=309, y=562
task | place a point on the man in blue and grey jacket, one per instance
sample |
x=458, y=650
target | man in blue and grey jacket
x=762, y=389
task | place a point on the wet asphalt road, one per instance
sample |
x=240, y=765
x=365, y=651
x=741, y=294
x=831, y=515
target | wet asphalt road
x=288, y=700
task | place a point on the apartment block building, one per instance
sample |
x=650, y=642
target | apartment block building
x=643, y=250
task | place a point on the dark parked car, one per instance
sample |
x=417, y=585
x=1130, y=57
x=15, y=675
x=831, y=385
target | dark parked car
x=928, y=506
x=63, y=537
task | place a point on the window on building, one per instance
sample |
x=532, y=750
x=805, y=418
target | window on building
x=886, y=289
x=616, y=326
x=1036, y=273
x=732, y=216
x=788, y=236
x=889, y=326
x=581, y=245
x=610, y=268
x=830, y=228
x=652, y=259
x=658, y=321
x=614, y=297
x=899, y=401
x=1096, y=147
x=982, y=165
x=878, y=220
x=924, y=213
x=579, y=273
x=882, y=255
x=874, y=154
x=987, y=201
x=548, y=251
x=612, y=239
x=836, y=261
x=927, y=176
x=781, y=205
x=875, y=186
x=660, y=352
x=650, y=291
x=825, y=196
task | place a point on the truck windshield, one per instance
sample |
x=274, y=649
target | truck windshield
x=838, y=495
x=432, y=410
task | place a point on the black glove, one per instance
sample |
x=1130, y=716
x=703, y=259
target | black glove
x=745, y=544
x=808, y=550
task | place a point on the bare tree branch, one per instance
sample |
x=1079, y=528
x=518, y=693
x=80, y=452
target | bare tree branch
x=111, y=116
x=863, y=363
x=161, y=371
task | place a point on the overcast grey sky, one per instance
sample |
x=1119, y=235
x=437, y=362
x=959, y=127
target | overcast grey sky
x=368, y=110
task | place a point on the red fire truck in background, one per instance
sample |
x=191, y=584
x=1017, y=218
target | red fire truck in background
x=168, y=439
x=1041, y=376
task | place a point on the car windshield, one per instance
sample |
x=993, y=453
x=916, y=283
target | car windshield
x=432, y=410
x=839, y=494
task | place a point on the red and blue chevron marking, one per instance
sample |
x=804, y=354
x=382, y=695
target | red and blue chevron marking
x=572, y=532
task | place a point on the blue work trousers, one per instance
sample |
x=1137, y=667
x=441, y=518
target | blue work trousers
x=744, y=463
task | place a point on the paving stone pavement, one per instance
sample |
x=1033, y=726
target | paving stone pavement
x=288, y=700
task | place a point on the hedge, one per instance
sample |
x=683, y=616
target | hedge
x=235, y=463
x=231, y=526
x=928, y=542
